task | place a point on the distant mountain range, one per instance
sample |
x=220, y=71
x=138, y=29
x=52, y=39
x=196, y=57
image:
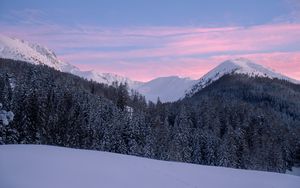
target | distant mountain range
x=168, y=89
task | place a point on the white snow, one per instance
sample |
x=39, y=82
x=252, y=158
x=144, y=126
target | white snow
x=36, y=166
x=168, y=89
x=236, y=66
x=12, y=48
x=5, y=116
x=108, y=78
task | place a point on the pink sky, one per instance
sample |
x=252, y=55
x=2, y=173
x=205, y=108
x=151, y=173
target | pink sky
x=287, y=63
x=143, y=53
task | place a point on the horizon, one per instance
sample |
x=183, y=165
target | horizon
x=148, y=39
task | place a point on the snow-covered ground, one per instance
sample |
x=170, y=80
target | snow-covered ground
x=36, y=166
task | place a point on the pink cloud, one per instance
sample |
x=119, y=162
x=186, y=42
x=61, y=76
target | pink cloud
x=191, y=42
x=166, y=40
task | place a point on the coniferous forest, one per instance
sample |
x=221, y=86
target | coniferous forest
x=237, y=121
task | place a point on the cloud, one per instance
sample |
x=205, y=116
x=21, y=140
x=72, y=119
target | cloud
x=185, y=43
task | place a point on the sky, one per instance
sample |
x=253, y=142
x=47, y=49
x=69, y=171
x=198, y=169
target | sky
x=145, y=39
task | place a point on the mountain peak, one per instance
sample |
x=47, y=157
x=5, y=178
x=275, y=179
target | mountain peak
x=236, y=66
x=246, y=66
x=250, y=68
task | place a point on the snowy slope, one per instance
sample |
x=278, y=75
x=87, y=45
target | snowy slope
x=168, y=89
x=236, y=66
x=36, y=166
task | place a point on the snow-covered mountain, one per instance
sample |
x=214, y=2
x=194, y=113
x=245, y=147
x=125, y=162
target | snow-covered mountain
x=35, y=166
x=16, y=49
x=236, y=66
x=168, y=89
